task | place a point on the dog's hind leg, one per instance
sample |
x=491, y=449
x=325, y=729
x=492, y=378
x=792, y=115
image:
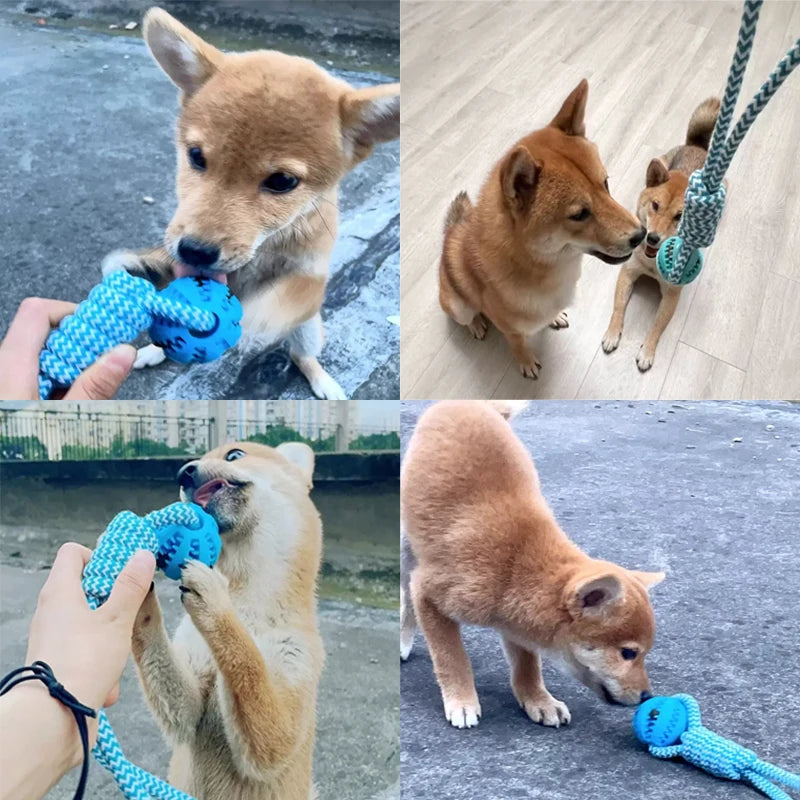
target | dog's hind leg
x=529, y=688
x=171, y=688
x=305, y=345
x=408, y=622
x=450, y=659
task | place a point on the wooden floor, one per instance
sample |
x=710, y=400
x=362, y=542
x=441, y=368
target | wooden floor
x=478, y=75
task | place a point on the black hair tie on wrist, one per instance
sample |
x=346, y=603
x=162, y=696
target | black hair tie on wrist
x=41, y=671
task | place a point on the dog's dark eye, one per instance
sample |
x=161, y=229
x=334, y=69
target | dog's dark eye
x=233, y=455
x=628, y=654
x=655, y=206
x=583, y=214
x=678, y=216
x=197, y=159
x=279, y=183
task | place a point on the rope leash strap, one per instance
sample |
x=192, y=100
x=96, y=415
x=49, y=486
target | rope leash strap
x=41, y=671
x=193, y=319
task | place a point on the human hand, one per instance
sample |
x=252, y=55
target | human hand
x=26, y=336
x=87, y=649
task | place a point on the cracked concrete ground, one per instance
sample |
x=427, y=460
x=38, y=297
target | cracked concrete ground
x=88, y=120
x=706, y=492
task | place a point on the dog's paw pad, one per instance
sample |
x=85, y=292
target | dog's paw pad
x=561, y=321
x=462, y=714
x=547, y=711
x=611, y=340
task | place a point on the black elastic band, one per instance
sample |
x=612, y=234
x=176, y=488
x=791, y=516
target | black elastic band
x=41, y=671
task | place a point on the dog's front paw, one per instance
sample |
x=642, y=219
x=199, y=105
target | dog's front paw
x=478, y=326
x=530, y=368
x=147, y=623
x=645, y=358
x=326, y=388
x=204, y=594
x=561, y=321
x=611, y=339
x=149, y=356
x=546, y=710
x=462, y=713
x=125, y=259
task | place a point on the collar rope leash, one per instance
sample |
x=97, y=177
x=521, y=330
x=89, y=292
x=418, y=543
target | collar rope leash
x=679, y=259
x=193, y=319
x=175, y=534
x=662, y=722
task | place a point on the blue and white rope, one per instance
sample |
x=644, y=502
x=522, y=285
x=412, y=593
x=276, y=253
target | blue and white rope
x=725, y=758
x=116, y=311
x=679, y=260
x=126, y=534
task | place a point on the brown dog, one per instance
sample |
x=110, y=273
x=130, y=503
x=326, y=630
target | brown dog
x=660, y=208
x=263, y=141
x=515, y=256
x=483, y=548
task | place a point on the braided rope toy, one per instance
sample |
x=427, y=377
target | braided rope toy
x=193, y=319
x=671, y=727
x=679, y=259
x=174, y=534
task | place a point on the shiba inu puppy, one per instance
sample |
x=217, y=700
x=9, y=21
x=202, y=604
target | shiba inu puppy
x=263, y=140
x=483, y=548
x=515, y=256
x=235, y=691
x=660, y=208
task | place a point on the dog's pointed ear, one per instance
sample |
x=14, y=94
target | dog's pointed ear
x=648, y=579
x=592, y=595
x=369, y=116
x=657, y=173
x=519, y=175
x=570, y=117
x=188, y=60
x=301, y=455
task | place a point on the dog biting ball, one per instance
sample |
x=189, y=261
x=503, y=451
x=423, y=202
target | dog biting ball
x=178, y=544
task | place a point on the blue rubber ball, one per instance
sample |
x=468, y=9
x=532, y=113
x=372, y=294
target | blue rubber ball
x=187, y=346
x=667, y=257
x=178, y=544
x=661, y=721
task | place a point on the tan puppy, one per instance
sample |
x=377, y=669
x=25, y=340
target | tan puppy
x=515, y=256
x=660, y=208
x=235, y=691
x=263, y=140
x=483, y=548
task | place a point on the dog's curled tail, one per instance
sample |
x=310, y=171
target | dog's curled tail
x=508, y=409
x=701, y=125
x=458, y=211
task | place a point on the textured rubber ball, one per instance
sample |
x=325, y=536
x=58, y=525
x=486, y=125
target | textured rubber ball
x=186, y=346
x=178, y=544
x=667, y=258
x=660, y=721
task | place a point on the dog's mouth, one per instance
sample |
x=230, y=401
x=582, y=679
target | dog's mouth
x=650, y=251
x=608, y=697
x=182, y=270
x=204, y=493
x=609, y=259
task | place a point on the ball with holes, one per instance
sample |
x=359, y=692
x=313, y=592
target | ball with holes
x=191, y=346
x=178, y=544
x=660, y=721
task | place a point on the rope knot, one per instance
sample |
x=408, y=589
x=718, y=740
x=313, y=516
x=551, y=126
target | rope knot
x=702, y=211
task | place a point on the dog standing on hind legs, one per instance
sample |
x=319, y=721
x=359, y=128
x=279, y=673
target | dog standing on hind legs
x=263, y=140
x=660, y=209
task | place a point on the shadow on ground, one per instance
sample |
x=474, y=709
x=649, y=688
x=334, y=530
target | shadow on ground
x=88, y=122
x=704, y=491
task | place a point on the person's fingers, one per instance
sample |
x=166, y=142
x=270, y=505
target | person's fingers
x=64, y=581
x=130, y=588
x=24, y=340
x=101, y=381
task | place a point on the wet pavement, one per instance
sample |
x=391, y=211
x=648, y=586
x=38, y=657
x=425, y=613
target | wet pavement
x=706, y=492
x=88, y=120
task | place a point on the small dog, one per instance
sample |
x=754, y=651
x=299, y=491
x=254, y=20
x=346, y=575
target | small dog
x=263, y=140
x=235, y=691
x=515, y=256
x=483, y=548
x=660, y=208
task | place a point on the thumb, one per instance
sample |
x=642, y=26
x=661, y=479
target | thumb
x=102, y=380
x=131, y=588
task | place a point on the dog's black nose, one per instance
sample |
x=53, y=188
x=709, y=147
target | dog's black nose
x=636, y=239
x=645, y=696
x=186, y=475
x=653, y=239
x=196, y=253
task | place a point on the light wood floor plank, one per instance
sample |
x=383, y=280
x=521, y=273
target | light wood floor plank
x=695, y=375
